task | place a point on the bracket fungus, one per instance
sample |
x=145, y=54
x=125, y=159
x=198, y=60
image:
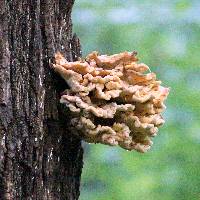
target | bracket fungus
x=113, y=100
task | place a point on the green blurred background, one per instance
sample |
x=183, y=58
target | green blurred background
x=166, y=35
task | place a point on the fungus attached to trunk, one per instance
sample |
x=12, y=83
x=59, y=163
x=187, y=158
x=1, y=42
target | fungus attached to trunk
x=113, y=99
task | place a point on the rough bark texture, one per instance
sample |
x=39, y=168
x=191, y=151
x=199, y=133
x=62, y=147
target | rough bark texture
x=39, y=158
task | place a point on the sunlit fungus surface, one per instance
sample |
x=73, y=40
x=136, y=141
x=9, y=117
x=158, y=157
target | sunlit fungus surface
x=113, y=100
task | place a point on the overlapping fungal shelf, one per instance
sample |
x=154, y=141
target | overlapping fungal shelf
x=113, y=100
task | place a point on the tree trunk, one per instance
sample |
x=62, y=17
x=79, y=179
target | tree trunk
x=39, y=158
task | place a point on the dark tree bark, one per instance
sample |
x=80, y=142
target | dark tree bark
x=39, y=158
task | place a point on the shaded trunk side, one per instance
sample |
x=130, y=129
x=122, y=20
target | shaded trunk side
x=39, y=158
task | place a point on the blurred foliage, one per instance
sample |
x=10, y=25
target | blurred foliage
x=166, y=35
